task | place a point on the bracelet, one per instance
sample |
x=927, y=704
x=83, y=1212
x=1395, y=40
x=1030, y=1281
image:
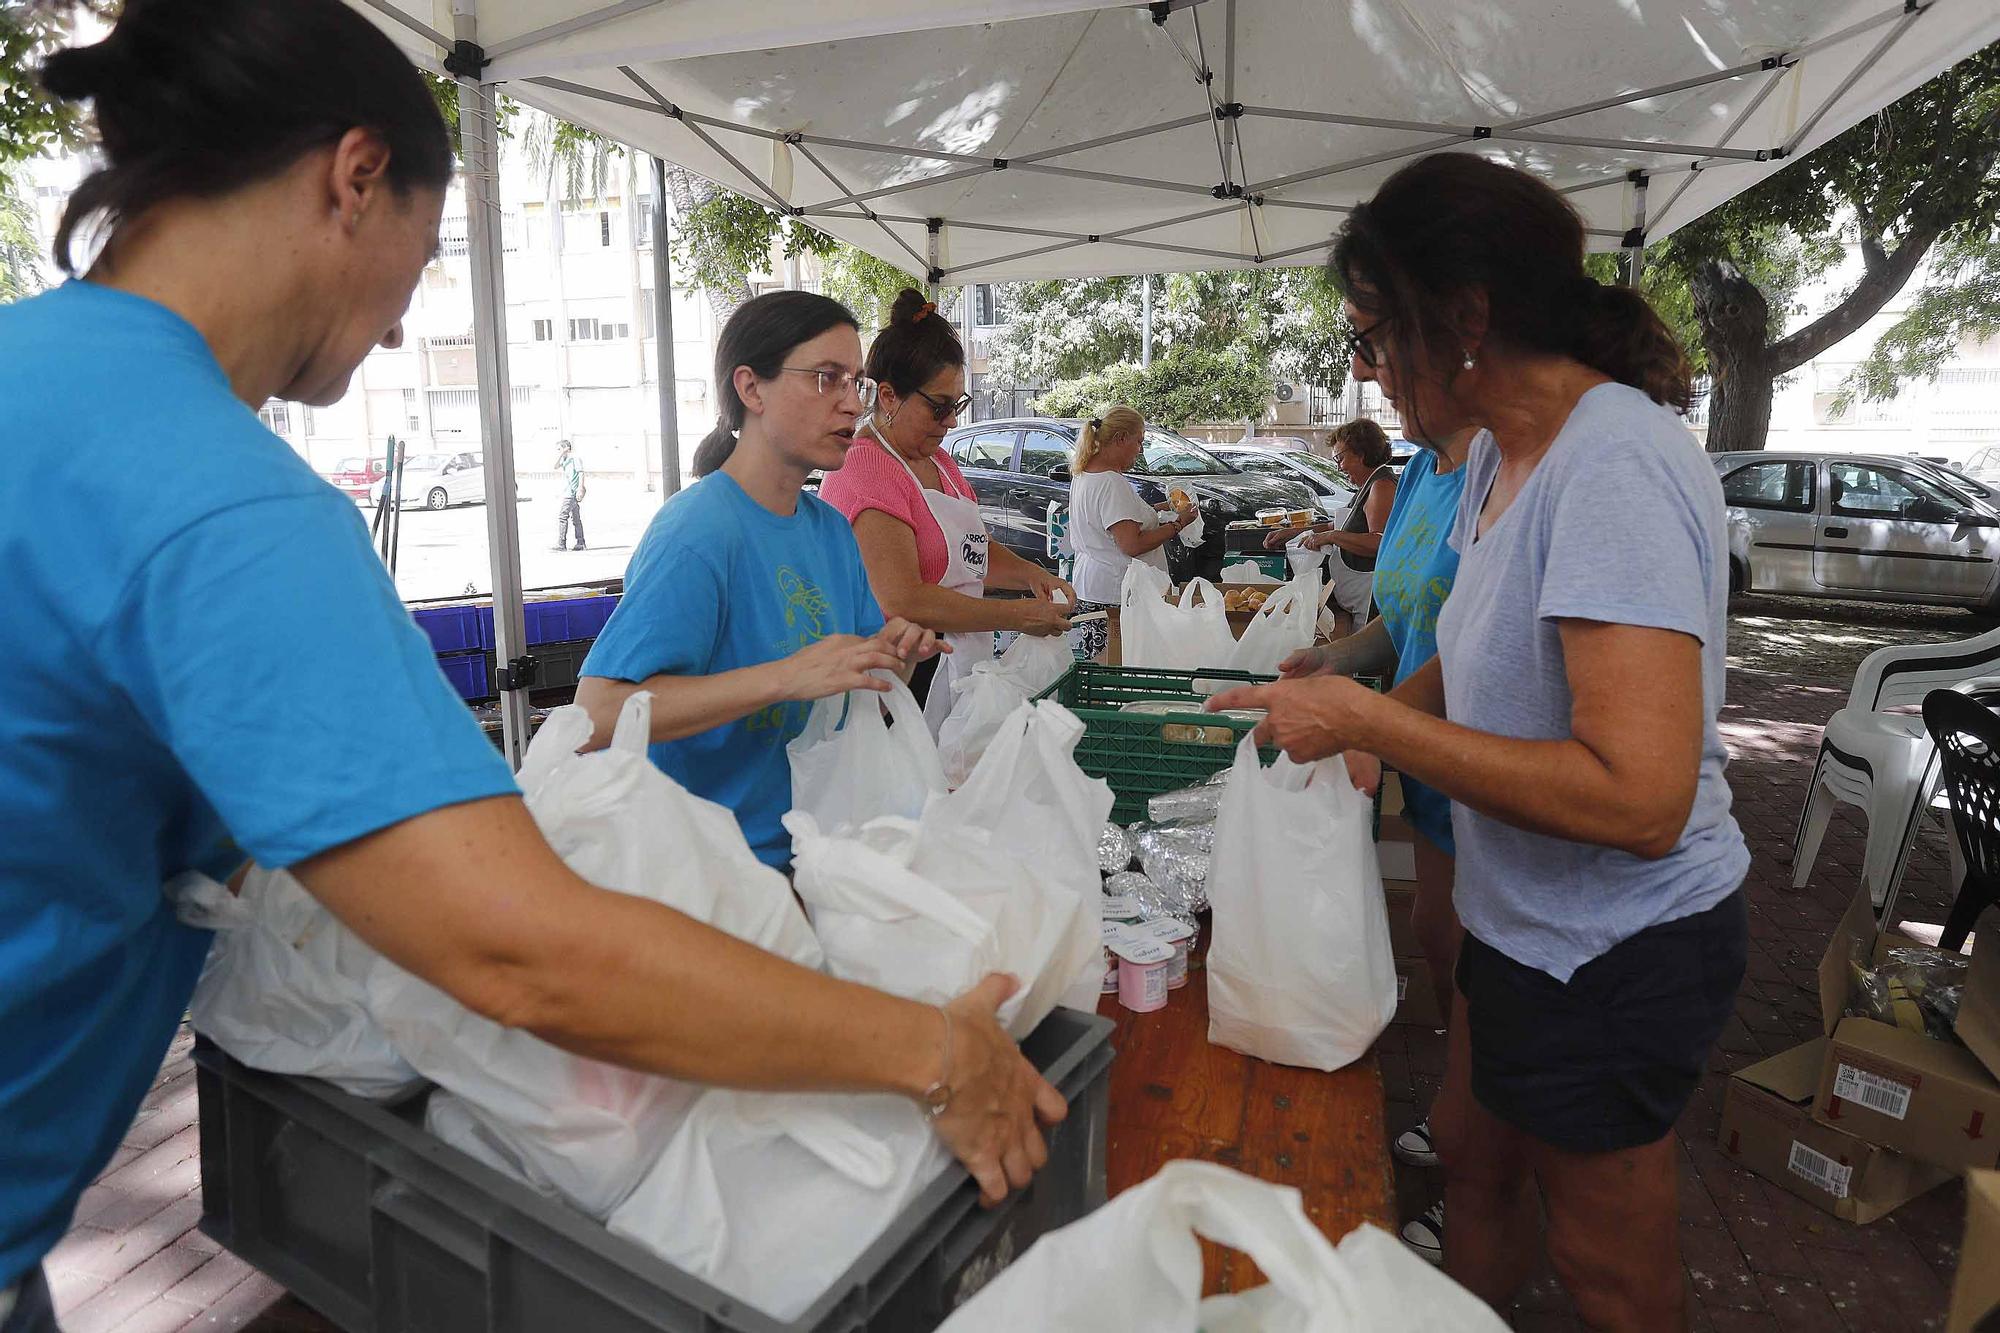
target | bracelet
x=937, y=1097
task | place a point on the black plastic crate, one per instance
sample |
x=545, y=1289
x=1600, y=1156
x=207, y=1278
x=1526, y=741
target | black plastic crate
x=384, y=1229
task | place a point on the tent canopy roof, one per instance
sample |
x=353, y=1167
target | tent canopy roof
x=1062, y=138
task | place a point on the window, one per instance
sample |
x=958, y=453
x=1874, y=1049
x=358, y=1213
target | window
x=586, y=229
x=1262, y=464
x=545, y=330
x=1785, y=486
x=990, y=449
x=410, y=411
x=985, y=309
x=1042, y=450
x=277, y=416
x=583, y=330
x=1866, y=492
x=597, y=330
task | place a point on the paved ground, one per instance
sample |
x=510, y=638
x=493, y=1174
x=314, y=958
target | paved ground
x=444, y=554
x=1757, y=1258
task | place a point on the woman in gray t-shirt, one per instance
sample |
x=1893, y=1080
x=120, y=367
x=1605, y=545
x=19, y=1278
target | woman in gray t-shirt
x=1571, y=717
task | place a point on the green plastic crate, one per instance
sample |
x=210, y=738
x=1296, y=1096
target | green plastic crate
x=1273, y=563
x=1130, y=750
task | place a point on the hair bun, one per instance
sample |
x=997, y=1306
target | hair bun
x=82, y=72
x=910, y=307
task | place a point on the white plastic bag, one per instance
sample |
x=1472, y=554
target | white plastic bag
x=850, y=766
x=1299, y=965
x=1174, y=636
x=771, y=1198
x=581, y=1129
x=1248, y=572
x=1028, y=792
x=1191, y=535
x=1136, y=1263
x=925, y=911
x=1286, y=623
x=984, y=698
x=284, y=988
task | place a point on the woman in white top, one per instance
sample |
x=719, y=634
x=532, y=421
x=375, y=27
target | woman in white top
x=1109, y=525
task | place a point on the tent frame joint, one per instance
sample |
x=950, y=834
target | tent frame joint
x=466, y=60
x=1482, y=131
x=1229, y=111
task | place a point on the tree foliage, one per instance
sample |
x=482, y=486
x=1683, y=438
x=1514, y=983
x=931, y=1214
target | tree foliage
x=726, y=237
x=20, y=252
x=1186, y=384
x=1276, y=323
x=1920, y=174
x=31, y=122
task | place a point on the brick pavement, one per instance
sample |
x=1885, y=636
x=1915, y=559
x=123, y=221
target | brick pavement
x=1758, y=1259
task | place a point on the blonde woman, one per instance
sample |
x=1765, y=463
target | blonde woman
x=1109, y=525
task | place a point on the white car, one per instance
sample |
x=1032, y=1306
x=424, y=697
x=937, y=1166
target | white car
x=438, y=481
x=1332, y=492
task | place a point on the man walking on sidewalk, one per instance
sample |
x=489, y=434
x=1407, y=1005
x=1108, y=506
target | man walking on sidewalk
x=572, y=496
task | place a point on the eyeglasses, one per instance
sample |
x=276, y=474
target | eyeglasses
x=1365, y=348
x=840, y=381
x=946, y=408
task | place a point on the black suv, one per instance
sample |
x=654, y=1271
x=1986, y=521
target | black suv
x=1020, y=467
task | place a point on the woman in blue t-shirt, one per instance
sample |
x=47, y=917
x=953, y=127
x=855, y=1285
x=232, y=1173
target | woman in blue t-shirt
x=747, y=599
x=1414, y=571
x=185, y=597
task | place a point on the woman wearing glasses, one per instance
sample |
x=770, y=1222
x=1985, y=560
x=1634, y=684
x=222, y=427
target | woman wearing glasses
x=929, y=558
x=747, y=600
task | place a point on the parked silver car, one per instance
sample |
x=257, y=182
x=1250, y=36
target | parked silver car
x=1332, y=492
x=438, y=481
x=1865, y=527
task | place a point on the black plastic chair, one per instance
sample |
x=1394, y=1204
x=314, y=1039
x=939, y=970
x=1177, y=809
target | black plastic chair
x=1967, y=734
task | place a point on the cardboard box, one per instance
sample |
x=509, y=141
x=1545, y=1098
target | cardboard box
x=1416, y=1004
x=1401, y=896
x=1978, y=1023
x=1930, y=1099
x=1975, y=1297
x=1767, y=1126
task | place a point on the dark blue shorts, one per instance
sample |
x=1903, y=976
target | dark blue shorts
x=1609, y=1060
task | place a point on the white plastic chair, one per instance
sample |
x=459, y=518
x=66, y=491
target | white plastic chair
x=1883, y=761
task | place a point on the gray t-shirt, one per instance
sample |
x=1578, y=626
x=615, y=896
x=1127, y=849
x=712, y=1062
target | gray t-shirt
x=1622, y=522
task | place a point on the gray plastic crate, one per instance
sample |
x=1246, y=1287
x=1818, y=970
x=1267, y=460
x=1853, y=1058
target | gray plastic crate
x=383, y=1229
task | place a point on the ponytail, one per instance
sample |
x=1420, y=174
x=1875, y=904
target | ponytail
x=716, y=446
x=1619, y=333
x=1117, y=423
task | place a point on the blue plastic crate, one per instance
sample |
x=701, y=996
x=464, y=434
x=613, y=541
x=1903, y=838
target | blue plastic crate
x=568, y=620
x=471, y=674
x=456, y=629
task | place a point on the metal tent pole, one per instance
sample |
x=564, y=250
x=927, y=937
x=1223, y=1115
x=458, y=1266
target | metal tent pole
x=967, y=301
x=663, y=329
x=481, y=150
x=1632, y=260
x=1145, y=320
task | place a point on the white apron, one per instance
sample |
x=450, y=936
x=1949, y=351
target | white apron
x=967, y=554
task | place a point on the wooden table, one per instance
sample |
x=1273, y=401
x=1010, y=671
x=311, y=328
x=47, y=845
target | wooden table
x=1174, y=1095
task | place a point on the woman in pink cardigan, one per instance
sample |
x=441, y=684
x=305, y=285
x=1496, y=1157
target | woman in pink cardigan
x=927, y=552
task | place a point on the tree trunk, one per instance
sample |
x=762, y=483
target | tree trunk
x=1735, y=320
x=689, y=191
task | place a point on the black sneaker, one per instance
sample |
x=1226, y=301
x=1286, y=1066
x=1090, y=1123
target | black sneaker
x=1425, y=1234
x=1414, y=1147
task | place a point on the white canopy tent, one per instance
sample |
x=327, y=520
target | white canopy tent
x=1016, y=139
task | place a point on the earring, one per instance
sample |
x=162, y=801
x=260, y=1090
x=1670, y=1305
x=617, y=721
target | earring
x=1468, y=361
x=890, y=420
